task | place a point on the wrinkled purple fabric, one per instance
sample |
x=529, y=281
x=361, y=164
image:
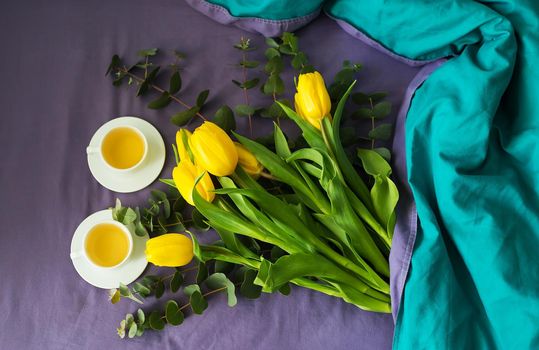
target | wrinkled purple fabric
x=54, y=96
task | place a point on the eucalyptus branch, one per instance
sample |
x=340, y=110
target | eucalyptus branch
x=245, y=93
x=246, y=109
x=138, y=79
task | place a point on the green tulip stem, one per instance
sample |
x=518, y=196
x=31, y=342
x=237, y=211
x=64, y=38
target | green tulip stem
x=370, y=276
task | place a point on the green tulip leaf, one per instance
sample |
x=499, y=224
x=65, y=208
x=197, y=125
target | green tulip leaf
x=220, y=281
x=281, y=144
x=385, y=196
x=350, y=174
x=310, y=133
x=373, y=163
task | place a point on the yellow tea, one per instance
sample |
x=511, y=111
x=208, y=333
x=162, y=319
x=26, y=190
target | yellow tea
x=122, y=148
x=106, y=245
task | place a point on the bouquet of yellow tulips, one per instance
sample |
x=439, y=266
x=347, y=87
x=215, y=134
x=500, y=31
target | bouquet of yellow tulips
x=332, y=233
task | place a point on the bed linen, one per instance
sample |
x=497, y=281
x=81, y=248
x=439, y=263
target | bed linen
x=55, y=95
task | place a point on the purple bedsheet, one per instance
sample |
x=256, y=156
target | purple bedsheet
x=54, y=96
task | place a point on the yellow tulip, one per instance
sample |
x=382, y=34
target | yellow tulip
x=312, y=100
x=185, y=175
x=248, y=161
x=213, y=149
x=171, y=249
x=181, y=136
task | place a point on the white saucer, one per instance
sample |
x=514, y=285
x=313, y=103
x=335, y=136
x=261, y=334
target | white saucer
x=126, y=273
x=138, y=178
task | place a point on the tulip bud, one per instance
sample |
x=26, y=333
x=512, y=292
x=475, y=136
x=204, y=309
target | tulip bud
x=185, y=175
x=182, y=143
x=171, y=249
x=248, y=161
x=213, y=149
x=312, y=100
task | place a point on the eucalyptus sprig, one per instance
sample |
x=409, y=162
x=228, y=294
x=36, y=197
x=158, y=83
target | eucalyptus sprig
x=119, y=72
x=274, y=85
x=374, y=107
x=163, y=214
x=288, y=44
x=246, y=84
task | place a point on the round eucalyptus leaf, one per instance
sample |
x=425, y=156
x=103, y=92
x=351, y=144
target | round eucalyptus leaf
x=156, y=322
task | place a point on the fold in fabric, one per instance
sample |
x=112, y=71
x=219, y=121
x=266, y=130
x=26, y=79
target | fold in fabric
x=269, y=18
x=473, y=166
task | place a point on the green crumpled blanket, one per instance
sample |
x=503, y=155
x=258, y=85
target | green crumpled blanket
x=472, y=143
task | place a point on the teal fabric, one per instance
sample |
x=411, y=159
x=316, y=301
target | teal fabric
x=268, y=9
x=472, y=143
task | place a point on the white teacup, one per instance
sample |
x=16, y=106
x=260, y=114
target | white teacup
x=106, y=245
x=122, y=148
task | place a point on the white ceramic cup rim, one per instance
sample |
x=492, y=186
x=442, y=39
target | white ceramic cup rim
x=99, y=149
x=82, y=253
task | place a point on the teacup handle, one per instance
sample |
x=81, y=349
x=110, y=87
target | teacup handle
x=90, y=150
x=76, y=255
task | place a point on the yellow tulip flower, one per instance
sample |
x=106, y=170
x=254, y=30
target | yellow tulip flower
x=185, y=175
x=213, y=149
x=171, y=249
x=248, y=161
x=312, y=100
x=181, y=136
